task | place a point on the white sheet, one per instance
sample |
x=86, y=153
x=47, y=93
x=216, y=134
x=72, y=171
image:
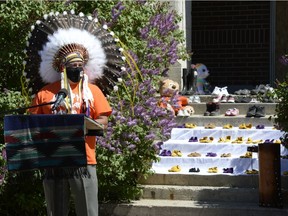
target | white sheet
x=179, y=141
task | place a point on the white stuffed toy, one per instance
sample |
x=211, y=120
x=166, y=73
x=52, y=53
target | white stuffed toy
x=202, y=74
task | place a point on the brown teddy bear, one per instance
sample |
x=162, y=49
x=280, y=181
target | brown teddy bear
x=172, y=100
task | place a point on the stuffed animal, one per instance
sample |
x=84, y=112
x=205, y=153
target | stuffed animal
x=202, y=74
x=172, y=100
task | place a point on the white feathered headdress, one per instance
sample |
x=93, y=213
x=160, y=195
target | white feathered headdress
x=57, y=35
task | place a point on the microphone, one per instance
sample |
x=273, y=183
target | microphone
x=61, y=95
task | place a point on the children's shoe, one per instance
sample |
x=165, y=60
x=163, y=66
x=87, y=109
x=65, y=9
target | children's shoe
x=224, y=91
x=234, y=112
x=194, y=154
x=176, y=168
x=251, y=111
x=228, y=170
x=213, y=170
x=196, y=99
x=194, y=170
x=216, y=91
x=223, y=99
x=227, y=126
x=260, y=111
x=230, y=99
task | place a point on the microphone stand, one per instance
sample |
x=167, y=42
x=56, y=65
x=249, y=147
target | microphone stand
x=25, y=108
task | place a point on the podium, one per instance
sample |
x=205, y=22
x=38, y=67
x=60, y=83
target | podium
x=270, y=194
x=47, y=141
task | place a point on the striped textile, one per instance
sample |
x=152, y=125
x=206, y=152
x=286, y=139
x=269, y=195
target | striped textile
x=44, y=141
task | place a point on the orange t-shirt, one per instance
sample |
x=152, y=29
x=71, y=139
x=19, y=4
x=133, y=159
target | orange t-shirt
x=100, y=107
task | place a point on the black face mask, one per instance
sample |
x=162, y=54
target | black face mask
x=74, y=73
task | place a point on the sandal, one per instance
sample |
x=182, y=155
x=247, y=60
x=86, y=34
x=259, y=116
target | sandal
x=221, y=140
x=253, y=171
x=176, y=168
x=226, y=155
x=193, y=139
x=190, y=125
x=166, y=153
x=238, y=140
x=194, y=170
x=194, y=154
x=249, y=141
x=285, y=173
x=211, y=154
x=227, y=126
x=210, y=126
x=228, y=170
x=245, y=126
x=176, y=153
x=213, y=170
x=257, y=141
x=206, y=140
x=277, y=141
x=247, y=155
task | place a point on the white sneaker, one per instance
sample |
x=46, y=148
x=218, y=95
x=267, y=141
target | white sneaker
x=224, y=91
x=196, y=99
x=216, y=91
x=254, y=100
x=180, y=113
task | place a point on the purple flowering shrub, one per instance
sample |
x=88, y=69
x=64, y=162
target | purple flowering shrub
x=138, y=126
x=3, y=169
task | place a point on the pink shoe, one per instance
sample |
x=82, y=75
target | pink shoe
x=228, y=112
x=234, y=112
x=230, y=99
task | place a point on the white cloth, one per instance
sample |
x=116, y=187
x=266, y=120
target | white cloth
x=180, y=141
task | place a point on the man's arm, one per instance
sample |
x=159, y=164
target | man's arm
x=103, y=120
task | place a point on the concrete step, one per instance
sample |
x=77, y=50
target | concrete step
x=156, y=207
x=221, y=120
x=200, y=108
x=200, y=193
x=217, y=180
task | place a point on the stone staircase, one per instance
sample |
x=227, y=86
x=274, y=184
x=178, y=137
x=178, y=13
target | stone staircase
x=188, y=195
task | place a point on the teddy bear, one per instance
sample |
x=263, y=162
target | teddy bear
x=201, y=75
x=172, y=100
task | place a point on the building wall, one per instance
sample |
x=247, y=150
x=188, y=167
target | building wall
x=232, y=38
x=281, y=38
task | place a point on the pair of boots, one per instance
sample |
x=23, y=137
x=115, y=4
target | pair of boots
x=256, y=111
x=212, y=109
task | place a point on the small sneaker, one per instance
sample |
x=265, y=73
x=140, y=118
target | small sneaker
x=196, y=99
x=228, y=112
x=230, y=99
x=224, y=91
x=224, y=99
x=254, y=100
x=234, y=112
x=251, y=111
x=260, y=111
x=217, y=99
x=216, y=91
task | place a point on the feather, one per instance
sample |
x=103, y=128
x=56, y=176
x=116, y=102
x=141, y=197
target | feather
x=56, y=35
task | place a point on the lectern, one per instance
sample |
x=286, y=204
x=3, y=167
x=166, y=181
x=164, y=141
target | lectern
x=47, y=141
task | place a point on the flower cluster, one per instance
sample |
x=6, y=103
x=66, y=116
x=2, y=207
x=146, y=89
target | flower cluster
x=138, y=125
x=3, y=169
x=284, y=59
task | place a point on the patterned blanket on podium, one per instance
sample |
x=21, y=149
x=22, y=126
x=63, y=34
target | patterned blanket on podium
x=44, y=141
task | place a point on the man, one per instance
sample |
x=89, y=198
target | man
x=83, y=97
